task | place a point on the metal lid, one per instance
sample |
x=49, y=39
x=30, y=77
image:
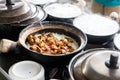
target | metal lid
x=15, y=11
x=96, y=64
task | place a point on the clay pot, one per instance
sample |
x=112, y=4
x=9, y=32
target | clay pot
x=50, y=26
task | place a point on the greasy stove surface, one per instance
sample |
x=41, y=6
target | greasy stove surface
x=60, y=72
x=8, y=59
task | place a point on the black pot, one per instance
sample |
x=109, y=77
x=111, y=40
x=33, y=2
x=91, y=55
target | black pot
x=93, y=39
x=61, y=28
x=116, y=43
x=53, y=18
x=98, y=29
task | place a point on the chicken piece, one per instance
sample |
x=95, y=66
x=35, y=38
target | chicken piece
x=30, y=39
x=36, y=40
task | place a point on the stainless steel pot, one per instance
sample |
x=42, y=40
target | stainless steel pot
x=16, y=15
x=95, y=64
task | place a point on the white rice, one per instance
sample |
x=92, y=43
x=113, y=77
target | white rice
x=60, y=10
x=94, y=24
x=41, y=2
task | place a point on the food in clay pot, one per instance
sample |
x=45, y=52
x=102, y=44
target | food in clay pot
x=51, y=43
x=95, y=64
x=16, y=15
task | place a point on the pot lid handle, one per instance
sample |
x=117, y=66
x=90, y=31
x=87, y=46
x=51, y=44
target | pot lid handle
x=113, y=62
x=9, y=2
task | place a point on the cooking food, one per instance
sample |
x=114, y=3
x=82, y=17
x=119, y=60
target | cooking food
x=97, y=25
x=99, y=29
x=41, y=2
x=65, y=10
x=60, y=30
x=51, y=43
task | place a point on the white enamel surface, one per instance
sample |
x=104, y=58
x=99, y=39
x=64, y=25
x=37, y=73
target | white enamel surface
x=117, y=41
x=94, y=24
x=27, y=70
x=66, y=10
x=41, y=2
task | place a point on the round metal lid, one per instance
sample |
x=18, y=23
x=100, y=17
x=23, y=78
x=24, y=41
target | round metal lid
x=40, y=15
x=15, y=11
x=95, y=64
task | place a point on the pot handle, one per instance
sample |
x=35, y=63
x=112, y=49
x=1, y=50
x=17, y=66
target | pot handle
x=7, y=45
x=113, y=62
x=9, y=2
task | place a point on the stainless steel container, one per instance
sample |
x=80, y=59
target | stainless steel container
x=95, y=64
x=16, y=15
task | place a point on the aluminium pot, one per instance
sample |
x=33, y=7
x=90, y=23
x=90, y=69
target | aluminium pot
x=16, y=15
x=47, y=26
x=95, y=64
